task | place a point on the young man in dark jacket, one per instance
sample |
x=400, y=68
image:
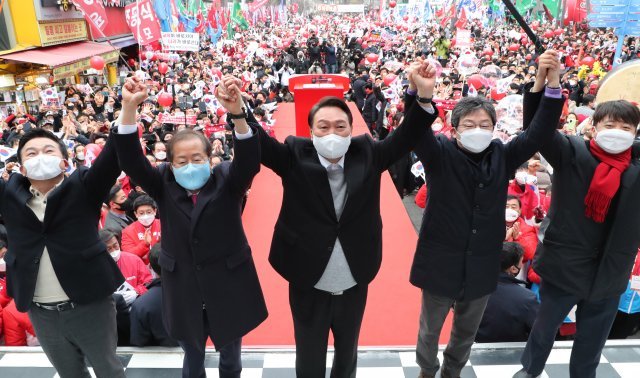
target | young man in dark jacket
x=591, y=235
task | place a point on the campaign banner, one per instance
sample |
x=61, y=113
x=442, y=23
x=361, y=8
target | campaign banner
x=93, y=12
x=178, y=119
x=463, y=38
x=445, y=104
x=142, y=21
x=180, y=41
x=257, y=4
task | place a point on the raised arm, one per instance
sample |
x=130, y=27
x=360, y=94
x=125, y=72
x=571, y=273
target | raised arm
x=542, y=127
x=129, y=150
x=417, y=120
x=246, y=162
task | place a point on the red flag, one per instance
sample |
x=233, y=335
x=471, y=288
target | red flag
x=93, y=12
x=202, y=24
x=462, y=19
x=211, y=18
x=142, y=21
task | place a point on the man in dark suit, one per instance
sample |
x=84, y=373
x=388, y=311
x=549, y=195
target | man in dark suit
x=457, y=259
x=210, y=284
x=327, y=241
x=147, y=328
x=591, y=235
x=57, y=268
x=512, y=308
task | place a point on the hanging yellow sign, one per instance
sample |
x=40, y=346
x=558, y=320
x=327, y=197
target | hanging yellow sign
x=53, y=33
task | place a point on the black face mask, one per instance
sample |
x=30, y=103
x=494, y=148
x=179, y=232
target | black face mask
x=258, y=102
x=125, y=206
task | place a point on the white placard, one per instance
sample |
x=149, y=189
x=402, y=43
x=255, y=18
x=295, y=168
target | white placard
x=179, y=41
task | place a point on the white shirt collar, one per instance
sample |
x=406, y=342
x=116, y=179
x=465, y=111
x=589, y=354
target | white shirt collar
x=326, y=163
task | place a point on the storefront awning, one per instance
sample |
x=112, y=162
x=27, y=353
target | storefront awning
x=124, y=42
x=56, y=56
x=65, y=60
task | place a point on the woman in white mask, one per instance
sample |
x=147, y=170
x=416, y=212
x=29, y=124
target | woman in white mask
x=140, y=236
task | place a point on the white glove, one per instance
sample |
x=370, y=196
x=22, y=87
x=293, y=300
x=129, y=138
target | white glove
x=129, y=296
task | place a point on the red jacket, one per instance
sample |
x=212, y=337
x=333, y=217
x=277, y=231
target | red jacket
x=528, y=198
x=135, y=272
x=421, y=197
x=4, y=296
x=16, y=325
x=133, y=239
x=528, y=239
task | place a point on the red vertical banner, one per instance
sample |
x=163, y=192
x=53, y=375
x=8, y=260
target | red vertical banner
x=93, y=12
x=143, y=22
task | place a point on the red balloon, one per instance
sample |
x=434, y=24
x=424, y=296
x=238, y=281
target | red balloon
x=132, y=62
x=372, y=58
x=514, y=47
x=390, y=78
x=587, y=61
x=165, y=99
x=163, y=68
x=405, y=18
x=487, y=52
x=409, y=37
x=476, y=81
x=305, y=34
x=365, y=45
x=558, y=31
x=497, y=96
x=359, y=40
x=392, y=3
x=548, y=34
x=220, y=112
x=528, y=57
x=97, y=63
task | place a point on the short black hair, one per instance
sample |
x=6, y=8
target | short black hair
x=186, y=134
x=107, y=234
x=617, y=110
x=511, y=255
x=40, y=133
x=330, y=101
x=144, y=200
x=368, y=85
x=512, y=197
x=154, y=256
x=113, y=192
x=588, y=98
x=95, y=136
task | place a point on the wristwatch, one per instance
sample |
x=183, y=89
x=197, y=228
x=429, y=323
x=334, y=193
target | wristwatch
x=424, y=100
x=238, y=116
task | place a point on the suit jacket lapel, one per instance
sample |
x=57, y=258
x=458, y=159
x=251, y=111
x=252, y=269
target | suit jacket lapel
x=317, y=176
x=23, y=195
x=354, y=173
x=204, y=196
x=179, y=195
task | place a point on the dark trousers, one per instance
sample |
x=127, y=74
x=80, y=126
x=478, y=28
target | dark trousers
x=315, y=312
x=229, y=366
x=593, y=322
x=88, y=330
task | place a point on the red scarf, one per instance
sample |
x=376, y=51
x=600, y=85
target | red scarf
x=605, y=182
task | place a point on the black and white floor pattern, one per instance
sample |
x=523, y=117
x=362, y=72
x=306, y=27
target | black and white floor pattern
x=619, y=359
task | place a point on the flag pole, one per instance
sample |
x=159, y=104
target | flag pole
x=523, y=24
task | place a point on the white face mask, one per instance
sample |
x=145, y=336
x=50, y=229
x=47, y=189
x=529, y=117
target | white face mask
x=331, y=146
x=115, y=255
x=147, y=219
x=521, y=177
x=43, y=167
x=3, y=265
x=80, y=156
x=476, y=140
x=614, y=141
x=511, y=215
x=161, y=155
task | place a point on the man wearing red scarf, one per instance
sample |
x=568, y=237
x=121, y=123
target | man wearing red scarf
x=590, y=236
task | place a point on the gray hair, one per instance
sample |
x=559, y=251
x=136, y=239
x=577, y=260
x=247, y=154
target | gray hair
x=469, y=105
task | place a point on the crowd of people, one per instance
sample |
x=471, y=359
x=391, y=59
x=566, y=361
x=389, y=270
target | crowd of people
x=213, y=90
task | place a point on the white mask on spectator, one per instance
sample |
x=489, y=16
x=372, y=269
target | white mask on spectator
x=146, y=219
x=331, y=146
x=115, y=255
x=3, y=265
x=43, y=167
x=476, y=140
x=511, y=215
x=161, y=155
x=614, y=141
x=521, y=177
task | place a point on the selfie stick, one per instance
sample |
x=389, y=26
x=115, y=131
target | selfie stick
x=523, y=24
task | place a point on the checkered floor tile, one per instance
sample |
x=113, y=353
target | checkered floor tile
x=617, y=361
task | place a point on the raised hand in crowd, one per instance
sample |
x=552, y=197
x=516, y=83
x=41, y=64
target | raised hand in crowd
x=424, y=78
x=229, y=95
x=134, y=92
x=548, y=70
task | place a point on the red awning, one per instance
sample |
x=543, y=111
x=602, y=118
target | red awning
x=56, y=56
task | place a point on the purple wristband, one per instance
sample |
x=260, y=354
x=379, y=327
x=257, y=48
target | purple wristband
x=411, y=92
x=553, y=92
